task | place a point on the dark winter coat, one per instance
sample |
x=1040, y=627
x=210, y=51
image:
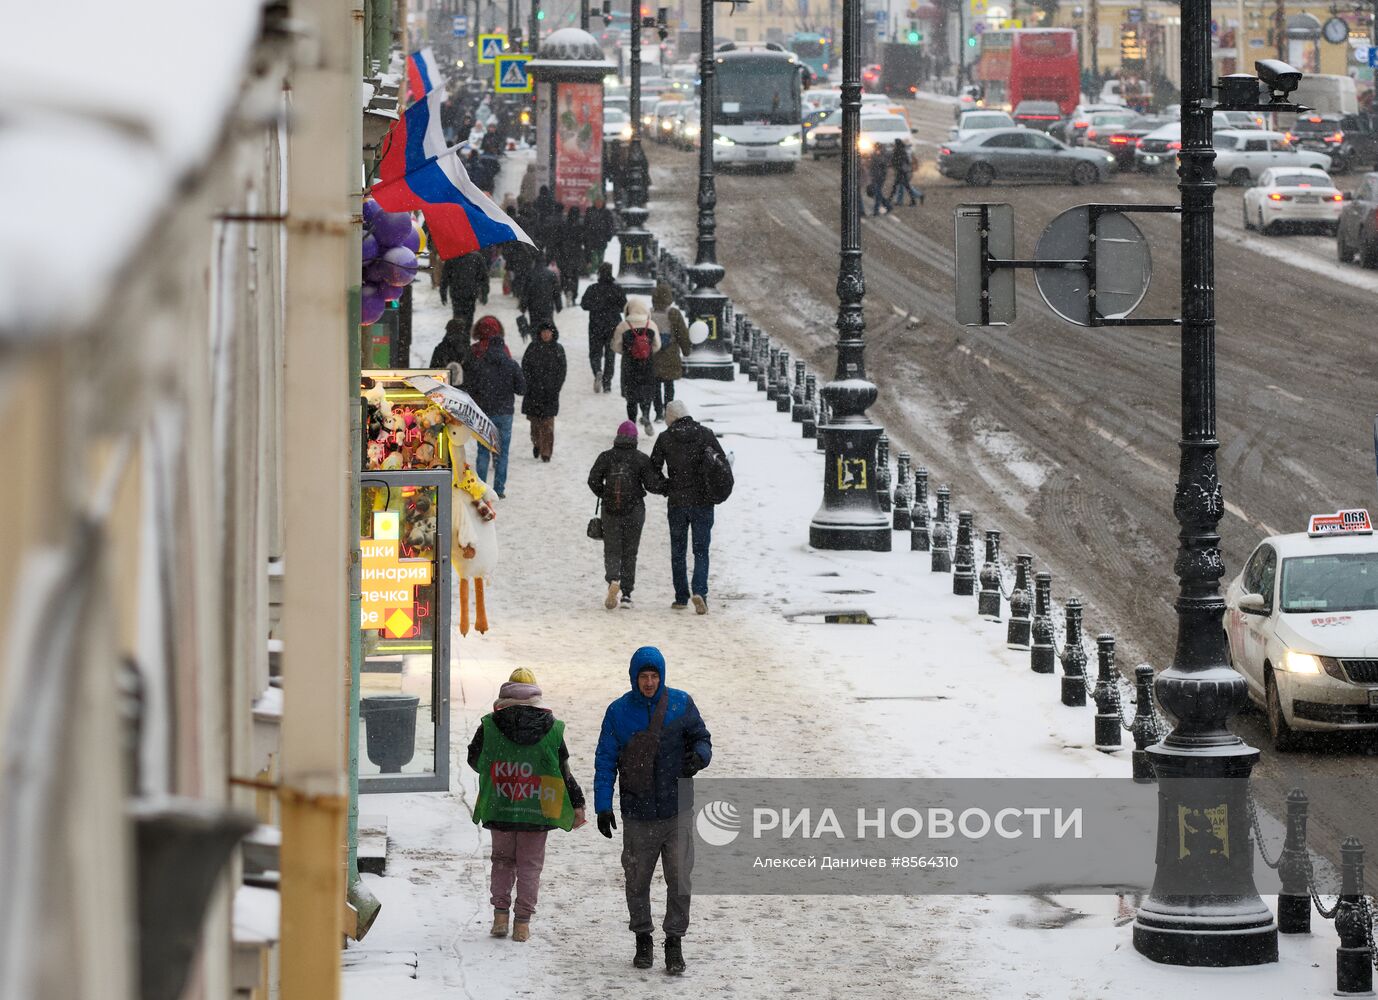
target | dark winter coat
x=463, y=276
x=635, y=372
x=668, y=362
x=682, y=731
x=604, y=302
x=542, y=295
x=451, y=349
x=878, y=168
x=625, y=454
x=679, y=449
x=569, y=250
x=901, y=161
x=526, y=725
x=544, y=367
x=599, y=227
x=493, y=378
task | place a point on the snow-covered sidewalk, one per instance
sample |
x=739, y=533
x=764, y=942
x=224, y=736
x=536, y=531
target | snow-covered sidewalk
x=929, y=690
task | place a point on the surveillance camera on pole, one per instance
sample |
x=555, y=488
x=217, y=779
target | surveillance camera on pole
x=1275, y=81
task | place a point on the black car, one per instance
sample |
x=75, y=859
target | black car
x=1357, y=232
x=1121, y=141
x=1041, y=115
x=1350, y=140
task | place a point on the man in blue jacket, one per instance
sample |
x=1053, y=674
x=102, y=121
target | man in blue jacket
x=652, y=828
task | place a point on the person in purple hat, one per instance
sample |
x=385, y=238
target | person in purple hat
x=620, y=478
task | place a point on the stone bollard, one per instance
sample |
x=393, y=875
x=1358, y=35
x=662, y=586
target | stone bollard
x=918, y=515
x=1106, y=696
x=796, y=412
x=753, y=366
x=1353, y=965
x=1073, y=658
x=738, y=326
x=769, y=377
x=964, y=557
x=809, y=421
x=988, y=600
x=747, y=345
x=1021, y=603
x=902, y=497
x=784, y=392
x=1145, y=728
x=941, y=535
x=1294, y=899
x=883, y=471
x=1042, y=653
x=824, y=415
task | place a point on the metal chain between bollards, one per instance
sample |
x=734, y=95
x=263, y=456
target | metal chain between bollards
x=1311, y=888
x=1258, y=835
x=1366, y=912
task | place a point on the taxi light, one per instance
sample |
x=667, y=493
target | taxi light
x=1300, y=663
x=1314, y=118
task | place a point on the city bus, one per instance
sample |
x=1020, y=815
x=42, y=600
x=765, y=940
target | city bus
x=1030, y=64
x=757, y=111
x=811, y=49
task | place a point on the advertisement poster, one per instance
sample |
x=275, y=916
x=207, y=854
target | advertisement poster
x=578, y=144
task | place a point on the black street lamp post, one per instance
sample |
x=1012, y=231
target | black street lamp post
x=1203, y=909
x=850, y=517
x=634, y=270
x=710, y=359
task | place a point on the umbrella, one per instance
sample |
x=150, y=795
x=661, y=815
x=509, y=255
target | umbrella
x=458, y=406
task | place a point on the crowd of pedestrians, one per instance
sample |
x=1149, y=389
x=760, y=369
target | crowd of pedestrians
x=884, y=161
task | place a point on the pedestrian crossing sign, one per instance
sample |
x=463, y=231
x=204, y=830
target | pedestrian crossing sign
x=510, y=75
x=490, y=47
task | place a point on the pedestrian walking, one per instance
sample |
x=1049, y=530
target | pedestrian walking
x=542, y=296
x=653, y=738
x=464, y=280
x=637, y=339
x=569, y=254
x=902, y=163
x=453, y=347
x=521, y=737
x=543, y=364
x=879, y=167
x=692, y=459
x=668, y=362
x=599, y=227
x=494, y=380
x=620, y=478
x=604, y=301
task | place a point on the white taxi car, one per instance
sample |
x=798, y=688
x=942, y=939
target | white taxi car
x=1302, y=625
x=1293, y=196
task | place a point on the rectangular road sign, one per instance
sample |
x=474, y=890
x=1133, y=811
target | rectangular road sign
x=461, y=25
x=510, y=75
x=490, y=47
x=972, y=277
x=1373, y=55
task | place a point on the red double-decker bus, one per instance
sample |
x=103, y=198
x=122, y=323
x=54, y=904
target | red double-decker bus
x=1030, y=64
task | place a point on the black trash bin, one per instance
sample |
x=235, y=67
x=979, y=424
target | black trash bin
x=391, y=729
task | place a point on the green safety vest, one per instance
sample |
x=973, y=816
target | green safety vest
x=522, y=784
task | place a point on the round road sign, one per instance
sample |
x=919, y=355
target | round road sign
x=1123, y=265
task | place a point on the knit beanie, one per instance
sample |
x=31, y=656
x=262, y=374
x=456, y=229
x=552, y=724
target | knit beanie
x=523, y=676
x=627, y=429
x=677, y=409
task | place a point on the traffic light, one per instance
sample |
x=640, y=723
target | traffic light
x=913, y=37
x=971, y=41
x=540, y=15
x=663, y=23
x=607, y=13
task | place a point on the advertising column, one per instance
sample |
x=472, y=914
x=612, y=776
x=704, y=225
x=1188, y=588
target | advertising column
x=578, y=143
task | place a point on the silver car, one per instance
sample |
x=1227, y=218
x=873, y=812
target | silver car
x=1022, y=154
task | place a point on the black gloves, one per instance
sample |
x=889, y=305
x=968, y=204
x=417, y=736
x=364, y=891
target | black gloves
x=607, y=823
x=693, y=763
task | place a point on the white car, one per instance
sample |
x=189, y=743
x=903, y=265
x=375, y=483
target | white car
x=1242, y=156
x=882, y=130
x=973, y=122
x=617, y=125
x=1291, y=195
x=1301, y=621
x=823, y=99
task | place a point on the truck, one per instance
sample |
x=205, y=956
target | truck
x=902, y=67
x=1327, y=94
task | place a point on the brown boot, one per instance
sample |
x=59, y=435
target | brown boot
x=499, y=924
x=521, y=930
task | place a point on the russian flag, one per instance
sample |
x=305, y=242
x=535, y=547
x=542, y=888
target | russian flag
x=423, y=74
x=418, y=172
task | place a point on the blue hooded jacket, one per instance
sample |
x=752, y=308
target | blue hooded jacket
x=682, y=730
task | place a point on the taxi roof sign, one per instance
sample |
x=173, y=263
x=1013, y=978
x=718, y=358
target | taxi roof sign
x=1342, y=522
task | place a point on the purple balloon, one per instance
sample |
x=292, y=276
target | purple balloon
x=391, y=228
x=371, y=211
x=401, y=264
x=371, y=248
x=377, y=272
x=371, y=305
x=391, y=293
x=413, y=240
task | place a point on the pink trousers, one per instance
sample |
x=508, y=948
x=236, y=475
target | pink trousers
x=519, y=858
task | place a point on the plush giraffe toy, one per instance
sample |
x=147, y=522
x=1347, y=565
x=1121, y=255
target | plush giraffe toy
x=473, y=528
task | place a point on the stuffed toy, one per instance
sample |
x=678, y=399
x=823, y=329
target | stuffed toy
x=473, y=532
x=376, y=454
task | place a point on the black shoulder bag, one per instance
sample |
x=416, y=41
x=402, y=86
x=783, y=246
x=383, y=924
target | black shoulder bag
x=595, y=528
x=637, y=763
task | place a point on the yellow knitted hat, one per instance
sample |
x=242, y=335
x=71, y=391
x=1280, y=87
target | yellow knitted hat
x=522, y=676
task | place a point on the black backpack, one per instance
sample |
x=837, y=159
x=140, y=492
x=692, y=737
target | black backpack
x=621, y=485
x=715, y=473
